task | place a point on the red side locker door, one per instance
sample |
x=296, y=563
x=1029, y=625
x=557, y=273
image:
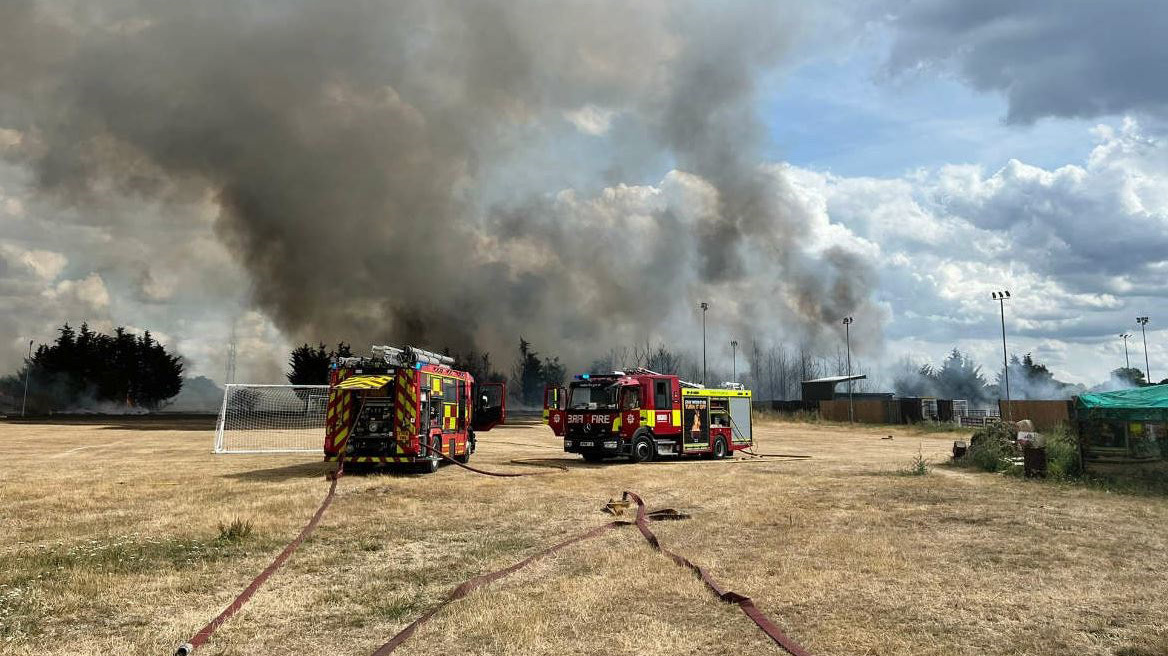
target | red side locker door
x=490, y=407
x=553, y=399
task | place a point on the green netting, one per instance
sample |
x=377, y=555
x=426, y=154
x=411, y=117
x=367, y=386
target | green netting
x=1140, y=404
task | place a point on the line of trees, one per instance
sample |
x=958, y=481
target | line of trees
x=774, y=372
x=88, y=370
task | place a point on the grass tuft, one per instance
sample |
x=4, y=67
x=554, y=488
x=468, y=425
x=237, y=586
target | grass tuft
x=235, y=531
x=918, y=466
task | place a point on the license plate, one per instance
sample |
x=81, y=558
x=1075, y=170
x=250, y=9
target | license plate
x=587, y=444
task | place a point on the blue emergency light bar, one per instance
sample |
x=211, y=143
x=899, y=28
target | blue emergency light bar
x=612, y=376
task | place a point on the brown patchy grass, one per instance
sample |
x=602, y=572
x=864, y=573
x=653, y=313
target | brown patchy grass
x=110, y=543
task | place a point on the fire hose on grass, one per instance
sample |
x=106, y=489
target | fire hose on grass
x=641, y=521
x=643, y=517
x=207, y=631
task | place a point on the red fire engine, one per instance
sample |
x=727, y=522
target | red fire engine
x=384, y=409
x=643, y=414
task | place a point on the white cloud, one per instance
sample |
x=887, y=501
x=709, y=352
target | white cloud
x=13, y=206
x=86, y=295
x=10, y=138
x=1082, y=247
x=41, y=264
x=591, y=119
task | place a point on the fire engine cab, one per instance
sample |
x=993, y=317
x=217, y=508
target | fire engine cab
x=384, y=409
x=642, y=414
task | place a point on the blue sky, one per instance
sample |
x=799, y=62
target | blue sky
x=844, y=112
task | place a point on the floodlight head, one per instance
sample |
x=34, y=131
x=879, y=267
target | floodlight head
x=848, y=320
x=1143, y=321
x=705, y=306
x=734, y=342
x=1125, y=335
x=1007, y=293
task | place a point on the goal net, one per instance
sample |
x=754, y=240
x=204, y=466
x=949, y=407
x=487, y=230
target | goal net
x=272, y=419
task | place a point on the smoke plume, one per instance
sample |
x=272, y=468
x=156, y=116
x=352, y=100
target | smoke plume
x=449, y=174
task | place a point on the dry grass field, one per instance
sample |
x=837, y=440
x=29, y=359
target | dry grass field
x=109, y=544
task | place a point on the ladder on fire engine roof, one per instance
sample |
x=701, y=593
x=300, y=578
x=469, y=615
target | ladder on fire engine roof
x=410, y=355
x=641, y=371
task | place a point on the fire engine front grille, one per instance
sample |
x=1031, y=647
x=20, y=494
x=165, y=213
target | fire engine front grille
x=585, y=431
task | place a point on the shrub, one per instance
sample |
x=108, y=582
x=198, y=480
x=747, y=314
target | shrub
x=990, y=447
x=1063, y=461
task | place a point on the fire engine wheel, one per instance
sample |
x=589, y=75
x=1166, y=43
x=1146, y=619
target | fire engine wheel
x=643, y=449
x=465, y=457
x=720, y=450
x=430, y=466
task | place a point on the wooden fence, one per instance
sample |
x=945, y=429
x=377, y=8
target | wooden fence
x=1045, y=414
x=865, y=412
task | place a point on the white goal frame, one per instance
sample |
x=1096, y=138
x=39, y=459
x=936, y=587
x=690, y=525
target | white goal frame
x=307, y=426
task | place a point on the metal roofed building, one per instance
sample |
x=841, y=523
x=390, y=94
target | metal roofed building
x=823, y=389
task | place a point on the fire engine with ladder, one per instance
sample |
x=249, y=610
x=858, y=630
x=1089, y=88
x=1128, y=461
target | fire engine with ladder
x=405, y=406
x=642, y=415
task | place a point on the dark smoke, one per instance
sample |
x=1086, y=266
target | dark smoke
x=371, y=160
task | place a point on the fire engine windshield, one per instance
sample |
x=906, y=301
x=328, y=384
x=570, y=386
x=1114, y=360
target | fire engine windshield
x=592, y=396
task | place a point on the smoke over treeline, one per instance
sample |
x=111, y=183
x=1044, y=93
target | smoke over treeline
x=445, y=173
x=959, y=377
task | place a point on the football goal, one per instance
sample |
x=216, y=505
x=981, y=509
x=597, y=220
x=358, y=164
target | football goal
x=272, y=419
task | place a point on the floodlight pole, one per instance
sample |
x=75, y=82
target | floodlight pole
x=1001, y=299
x=1126, y=357
x=848, y=339
x=1143, y=321
x=734, y=360
x=27, y=374
x=705, y=306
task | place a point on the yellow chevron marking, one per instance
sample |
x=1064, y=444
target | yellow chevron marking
x=364, y=382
